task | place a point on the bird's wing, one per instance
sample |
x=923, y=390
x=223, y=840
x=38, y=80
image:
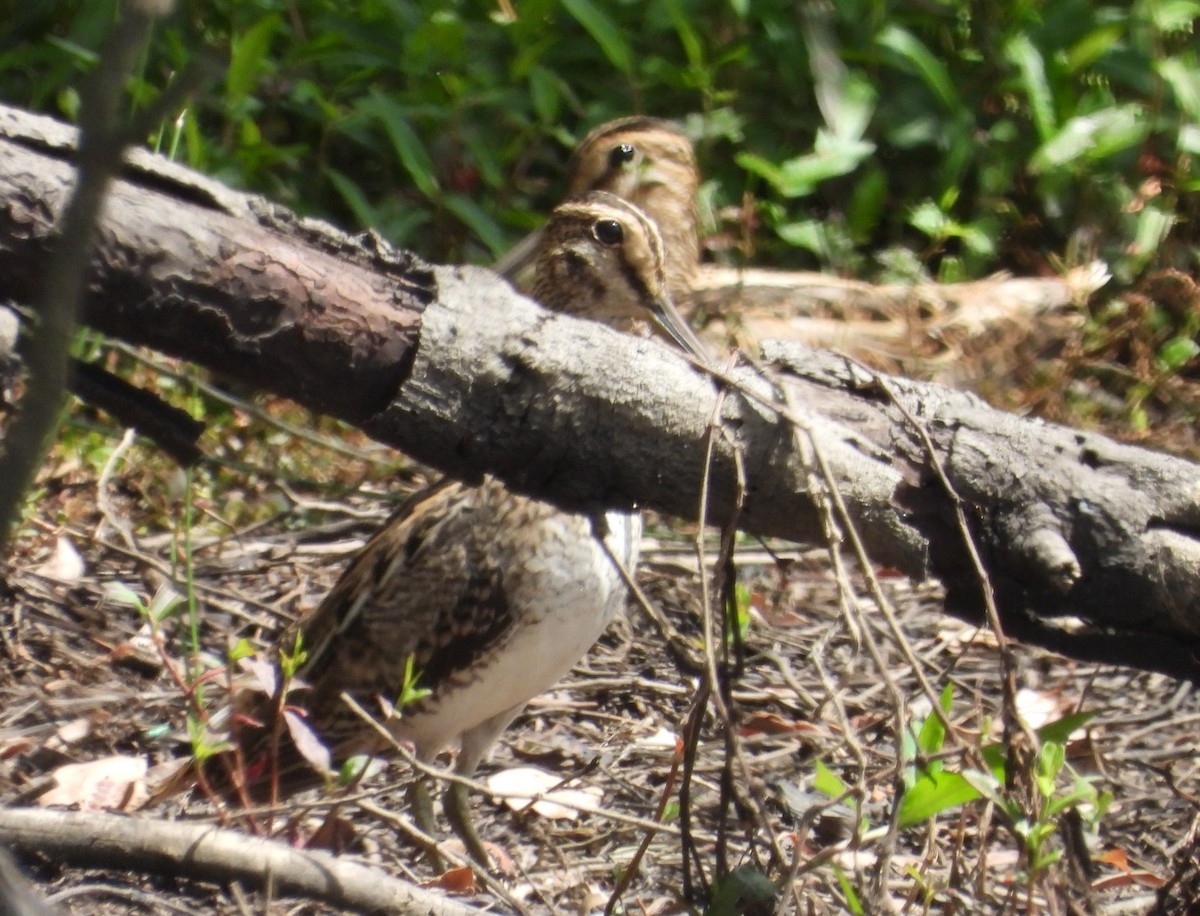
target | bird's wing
x=426, y=588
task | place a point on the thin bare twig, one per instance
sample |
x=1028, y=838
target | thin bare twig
x=102, y=140
x=475, y=786
x=202, y=851
x=1014, y=725
x=631, y=870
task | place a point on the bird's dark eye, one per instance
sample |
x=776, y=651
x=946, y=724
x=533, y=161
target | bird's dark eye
x=608, y=232
x=620, y=155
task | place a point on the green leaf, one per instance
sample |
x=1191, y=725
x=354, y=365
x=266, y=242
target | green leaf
x=605, y=32
x=910, y=50
x=832, y=157
x=486, y=229
x=358, y=768
x=845, y=98
x=123, y=594
x=809, y=234
x=1050, y=762
x=989, y=785
x=934, y=792
x=1060, y=729
x=853, y=108
x=1139, y=419
x=247, y=56
x=951, y=268
x=1174, y=15
x=743, y=889
x=828, y=782
x=929, y=218
x=69, y=103
x=1177, y=353
x=1028, y=60
x=241, y=649
x=1082, y=794
x=1094, y=45
x=410, y=689
x=932, y=735
x=693, y=48
x=155, y=732
x=1153, y=227
x=1091, y=137
x=1189, y=142
x=197, y=149
x=866, y=208
x=737, y=628
x=853, y=904
x=86, y=56
x=353, y=197
x=760, y=166
x=543, y=92
x=291, y=662
x=408, y=146
x=165, y=601
x=1184, y=81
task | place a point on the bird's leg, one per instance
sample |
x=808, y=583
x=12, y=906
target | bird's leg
x=421, y=802
x=475, y=744
x=458, y=813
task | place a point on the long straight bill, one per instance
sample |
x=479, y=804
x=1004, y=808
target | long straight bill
x=677, y=328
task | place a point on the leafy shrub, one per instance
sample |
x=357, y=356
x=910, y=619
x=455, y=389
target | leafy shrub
x=976, y=135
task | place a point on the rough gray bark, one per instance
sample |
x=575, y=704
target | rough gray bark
x=1091, y=545
x=221, y=280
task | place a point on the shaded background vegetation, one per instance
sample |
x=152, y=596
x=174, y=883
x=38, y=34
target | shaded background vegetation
x=890, y=140
x=943, y=139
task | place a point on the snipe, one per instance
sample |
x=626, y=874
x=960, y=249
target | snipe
x=487, y=596
x=650, y=163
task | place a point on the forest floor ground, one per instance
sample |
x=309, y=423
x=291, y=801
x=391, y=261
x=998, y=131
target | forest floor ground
x=824, y=685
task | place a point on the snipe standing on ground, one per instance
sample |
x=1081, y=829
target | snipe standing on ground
x=493, y=596
x=650, y=163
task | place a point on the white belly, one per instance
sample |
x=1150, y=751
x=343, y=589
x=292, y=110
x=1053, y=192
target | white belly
x=565, y=593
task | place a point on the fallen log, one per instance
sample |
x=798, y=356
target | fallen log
x=1091, y=546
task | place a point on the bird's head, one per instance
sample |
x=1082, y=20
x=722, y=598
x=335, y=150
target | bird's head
x=632, y=157
x=601, y=258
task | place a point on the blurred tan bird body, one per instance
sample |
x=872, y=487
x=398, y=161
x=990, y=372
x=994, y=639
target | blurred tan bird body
x=489, y=597
x=650, y=163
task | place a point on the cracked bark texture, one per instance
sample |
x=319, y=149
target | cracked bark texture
x=1092, y=546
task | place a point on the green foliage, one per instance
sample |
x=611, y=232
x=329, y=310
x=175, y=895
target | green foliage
x=353, y=769
x=1036, y=829
x=410, y=690
x=931, y=787
x=976, y=135
x=164, y=603
x=737, y=617
x=291, y=662
x=745, y=889
x=849, y=896
x=204, y=744
x=828, y=782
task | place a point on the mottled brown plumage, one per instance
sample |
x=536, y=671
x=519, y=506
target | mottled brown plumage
x=650, y=163
x=492, y=595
